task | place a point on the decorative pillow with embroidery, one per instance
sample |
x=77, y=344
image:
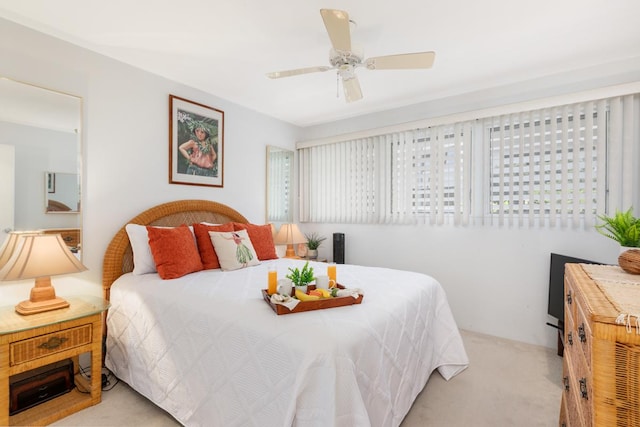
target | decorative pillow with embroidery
x=262, y=239
x=174, y=251
x=234, y=249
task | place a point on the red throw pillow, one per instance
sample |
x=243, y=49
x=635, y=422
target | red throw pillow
x=205, y=247
x=174, y=251
x=261, y=239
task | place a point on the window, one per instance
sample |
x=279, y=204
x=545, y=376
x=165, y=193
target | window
x=279, y=176
x=406, y=177
x=558, y=166
x=544, y=164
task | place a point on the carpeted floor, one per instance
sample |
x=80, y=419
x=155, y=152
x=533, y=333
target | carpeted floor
x=506, y=384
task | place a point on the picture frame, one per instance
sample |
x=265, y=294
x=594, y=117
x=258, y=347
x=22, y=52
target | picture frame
x=51, y=182
x=196, y=143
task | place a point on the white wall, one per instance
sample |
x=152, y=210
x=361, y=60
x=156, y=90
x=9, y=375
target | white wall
x=496, y=278
x=125, y=142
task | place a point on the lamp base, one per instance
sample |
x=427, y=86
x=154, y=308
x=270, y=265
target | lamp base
x=30, y=307
x=291, y=253
x=43, y=298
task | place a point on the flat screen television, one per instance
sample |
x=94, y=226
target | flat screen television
x=556, y=283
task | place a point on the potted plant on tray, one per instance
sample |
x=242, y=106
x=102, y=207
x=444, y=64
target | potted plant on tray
x=314, y=240
x=301, y=278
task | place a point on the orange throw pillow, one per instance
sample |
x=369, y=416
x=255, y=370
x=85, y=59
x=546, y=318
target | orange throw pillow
x=174, y=251
x=261, y=238
x=205, y=247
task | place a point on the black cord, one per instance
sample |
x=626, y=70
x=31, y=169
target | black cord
x=109, y=380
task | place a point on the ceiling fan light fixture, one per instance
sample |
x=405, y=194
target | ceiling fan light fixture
x=352, y=91
x=345, y=58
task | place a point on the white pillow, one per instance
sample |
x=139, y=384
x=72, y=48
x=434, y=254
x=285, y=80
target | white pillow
x=143, y=262
x=234, y=249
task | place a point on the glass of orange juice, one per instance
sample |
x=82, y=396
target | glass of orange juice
x=273, y=280
x=331, y=272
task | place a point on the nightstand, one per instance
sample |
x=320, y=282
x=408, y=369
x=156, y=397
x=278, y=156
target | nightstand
x=29, y=342
x=315, y=259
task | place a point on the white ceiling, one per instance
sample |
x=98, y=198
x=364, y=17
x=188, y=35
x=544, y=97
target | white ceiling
x=226, y=47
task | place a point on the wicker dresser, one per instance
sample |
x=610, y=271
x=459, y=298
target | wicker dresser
x=601, y=372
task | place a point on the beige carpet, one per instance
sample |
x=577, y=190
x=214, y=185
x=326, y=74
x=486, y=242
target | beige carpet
x=506, y=384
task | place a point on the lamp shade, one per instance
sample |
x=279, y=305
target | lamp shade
x=39, y=255
x=289, y=234
x=10, y=244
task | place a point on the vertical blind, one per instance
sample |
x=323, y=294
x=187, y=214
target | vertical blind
x=550, y=165
x=279, y=195
x=419, y=175
x=558, y=166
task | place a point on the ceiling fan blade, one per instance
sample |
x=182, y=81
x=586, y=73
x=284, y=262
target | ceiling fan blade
x=289, y=73
x=352, y=90
x=402, y=61
x=337, y=25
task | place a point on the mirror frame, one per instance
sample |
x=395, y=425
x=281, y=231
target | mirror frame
x=272, y=177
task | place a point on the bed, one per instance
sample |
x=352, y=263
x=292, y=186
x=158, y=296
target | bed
x=210, y=351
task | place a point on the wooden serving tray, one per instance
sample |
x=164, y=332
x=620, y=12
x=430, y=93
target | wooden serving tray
x=312, y=305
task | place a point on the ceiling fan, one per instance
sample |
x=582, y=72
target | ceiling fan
x=345, y=59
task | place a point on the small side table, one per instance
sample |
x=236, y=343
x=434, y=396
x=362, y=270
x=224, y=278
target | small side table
x=29, y=342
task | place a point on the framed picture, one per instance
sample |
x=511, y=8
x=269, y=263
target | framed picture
x=196, y=143
x=51, y=182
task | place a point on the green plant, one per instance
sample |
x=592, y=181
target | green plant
x=623, y=227
x=314, y=240
x=301, y=277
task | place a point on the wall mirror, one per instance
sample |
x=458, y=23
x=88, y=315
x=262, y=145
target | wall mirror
x=279, y=184
x=40, y=151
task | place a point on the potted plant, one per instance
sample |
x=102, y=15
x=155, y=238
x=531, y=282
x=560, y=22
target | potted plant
x=314, y=240
x=301, y=278
x=623, y=227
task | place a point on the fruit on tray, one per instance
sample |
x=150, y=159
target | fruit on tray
x=304, y=297
x=325, y=292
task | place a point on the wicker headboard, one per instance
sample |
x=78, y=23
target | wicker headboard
x=118, y=259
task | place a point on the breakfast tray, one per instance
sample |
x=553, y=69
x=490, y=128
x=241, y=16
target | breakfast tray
x=312, y=305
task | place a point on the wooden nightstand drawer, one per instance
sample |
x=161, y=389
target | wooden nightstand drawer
x=44, y=345
x=71, y=236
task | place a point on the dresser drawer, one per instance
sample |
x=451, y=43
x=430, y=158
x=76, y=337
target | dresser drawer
x=569, y=298
x=583, y=390
x=71, y=236
x=569, y=396
x=582, y=335
x=564, y=419
x=44, y=345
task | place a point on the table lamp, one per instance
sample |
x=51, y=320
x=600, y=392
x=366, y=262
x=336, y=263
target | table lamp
x=38, y=256
x=289, y=235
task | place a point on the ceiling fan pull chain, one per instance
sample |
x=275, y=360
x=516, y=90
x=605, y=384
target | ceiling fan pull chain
x=337, y=85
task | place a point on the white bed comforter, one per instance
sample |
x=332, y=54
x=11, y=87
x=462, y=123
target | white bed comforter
x=209, y=350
